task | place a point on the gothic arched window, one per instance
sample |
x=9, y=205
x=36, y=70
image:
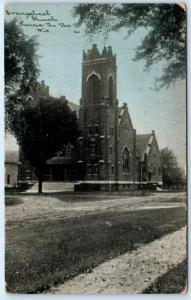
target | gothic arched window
x=126, y=161
x=111, y=90
x=154, y=170
x=94, y=89
x=159, y=171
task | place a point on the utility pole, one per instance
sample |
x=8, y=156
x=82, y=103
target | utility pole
x=141, y=175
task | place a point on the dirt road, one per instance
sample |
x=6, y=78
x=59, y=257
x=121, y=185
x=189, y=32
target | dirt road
x=40, y=208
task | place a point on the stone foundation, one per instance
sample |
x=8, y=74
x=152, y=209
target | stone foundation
x=114, y=186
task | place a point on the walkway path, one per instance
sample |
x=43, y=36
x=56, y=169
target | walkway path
x=52, y=187
x=131, y=272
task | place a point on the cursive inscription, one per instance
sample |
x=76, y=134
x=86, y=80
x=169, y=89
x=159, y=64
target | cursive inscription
x=43, y=21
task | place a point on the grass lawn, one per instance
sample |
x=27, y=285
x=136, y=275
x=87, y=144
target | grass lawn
x=44, y=254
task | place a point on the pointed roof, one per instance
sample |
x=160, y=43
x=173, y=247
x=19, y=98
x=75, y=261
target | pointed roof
x=142, y=142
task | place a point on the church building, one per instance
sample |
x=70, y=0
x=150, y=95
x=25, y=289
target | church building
x=109, y=154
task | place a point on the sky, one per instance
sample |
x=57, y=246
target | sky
x=60, y=57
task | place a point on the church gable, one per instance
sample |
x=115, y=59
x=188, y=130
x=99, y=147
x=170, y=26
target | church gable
x=124, y=120
x=154, y=148
x=126, y=144
x=154, y=161
x=148, y=153
x=125, y=129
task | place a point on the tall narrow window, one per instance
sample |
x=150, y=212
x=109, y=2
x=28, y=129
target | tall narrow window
x=159, y=171
x=111, y=131
x=64, y=150
x=111, y=150
x=126, y=161
x=111, y=91
x=93, y=149
x=96, y=129
x=89, y=169
x=8, y=179
x=154, y=170
x=95, y=169
x=112, y=170
x=90, y=129
x=94, y=89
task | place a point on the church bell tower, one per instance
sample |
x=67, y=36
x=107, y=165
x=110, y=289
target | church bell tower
x=98, y=115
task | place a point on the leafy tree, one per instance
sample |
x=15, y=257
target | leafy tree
x=21, y=67
x=178, y=178
x=172, y=175
x=41, y=129
x=165, y=38
x=168, y=159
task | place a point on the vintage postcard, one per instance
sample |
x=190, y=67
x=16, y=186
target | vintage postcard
x=95, y=148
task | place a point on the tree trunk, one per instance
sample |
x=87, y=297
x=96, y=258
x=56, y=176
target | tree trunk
x=40, y=180
x=40, y=185
x=40, y=175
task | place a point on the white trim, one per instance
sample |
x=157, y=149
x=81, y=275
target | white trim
x=155, y=182
x=12, y=162
x=149, y=143
x=101, y=161
x=123, y=148
x=93, y=73
x=116, y=182
x=29, y=98
x=92, y=60
x=110, y=75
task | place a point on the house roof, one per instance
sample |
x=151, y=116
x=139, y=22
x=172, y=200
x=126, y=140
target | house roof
x=74, y=107
x=142, y=141
x=60, y=160
x=12, y=156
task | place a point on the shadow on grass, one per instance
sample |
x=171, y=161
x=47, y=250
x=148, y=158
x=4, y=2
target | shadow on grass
x=13, y=200
x=102, y=196
x=40, y=256
x=173, y=282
